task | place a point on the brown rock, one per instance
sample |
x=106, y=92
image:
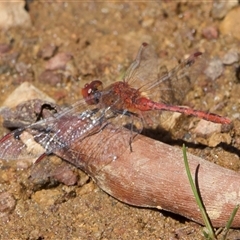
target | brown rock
x=221, y=8
x=211, y=134
x=232, y=56
x=207, y=128
x=24, y=92
x=47, y=51
x=12, y=14
x=59, y=61
x=46, y=198
x=66, y=175
x=231, y=23
x=214, y=69
x=210, y=32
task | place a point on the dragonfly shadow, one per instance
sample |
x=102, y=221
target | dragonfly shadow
x=165, y=136
x=162, y=135
x=229, y=148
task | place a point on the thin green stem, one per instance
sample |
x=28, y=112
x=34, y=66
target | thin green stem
x=205, y=217
x=229, y=223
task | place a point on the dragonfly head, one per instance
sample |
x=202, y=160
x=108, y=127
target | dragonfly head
x=92, y=92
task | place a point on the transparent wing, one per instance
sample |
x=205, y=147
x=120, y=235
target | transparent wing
x=58, y=132
x=161, y=85
x=51, y=133
x=97, y=151
x=144, y=69
x=11, y=148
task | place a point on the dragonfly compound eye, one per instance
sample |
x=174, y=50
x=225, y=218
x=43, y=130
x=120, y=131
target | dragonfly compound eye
x=91, y=92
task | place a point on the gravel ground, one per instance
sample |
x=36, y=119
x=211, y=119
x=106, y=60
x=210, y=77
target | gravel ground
x=58, y=48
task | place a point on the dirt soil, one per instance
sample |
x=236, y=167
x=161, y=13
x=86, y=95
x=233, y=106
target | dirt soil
x=99, y=41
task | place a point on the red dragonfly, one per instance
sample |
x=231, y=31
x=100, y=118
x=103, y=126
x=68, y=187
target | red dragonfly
x=123, y=103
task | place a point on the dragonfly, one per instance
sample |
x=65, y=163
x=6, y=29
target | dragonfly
x=146, y=88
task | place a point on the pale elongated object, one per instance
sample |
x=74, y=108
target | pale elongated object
x=154, y=176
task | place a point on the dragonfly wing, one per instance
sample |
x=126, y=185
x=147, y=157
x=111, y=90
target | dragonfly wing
x=153, y=79
x=19, y=148
x=51, y=133
x=98, y=150
x=177, y=82
x=144, y=68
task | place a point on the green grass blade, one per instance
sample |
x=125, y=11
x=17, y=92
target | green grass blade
x=229, y=223
x=206, y=220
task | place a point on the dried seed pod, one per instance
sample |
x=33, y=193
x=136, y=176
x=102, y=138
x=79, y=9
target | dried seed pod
x=153, y=175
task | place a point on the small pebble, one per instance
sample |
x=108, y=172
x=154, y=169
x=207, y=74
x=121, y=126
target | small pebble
x=13, y=14
x=230, y=24
x=58, y=62
x=221, y=8
x=47, y=51
x=7, y=203
x=230, y=57
x=24, y=92
x=207, y=128
x=210, y=32
x=65, y=175
x=214, y=69
x=210, y=134
x=22, y=68
x=46, y=198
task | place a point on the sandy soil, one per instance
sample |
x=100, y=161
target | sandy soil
x=102, y=40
